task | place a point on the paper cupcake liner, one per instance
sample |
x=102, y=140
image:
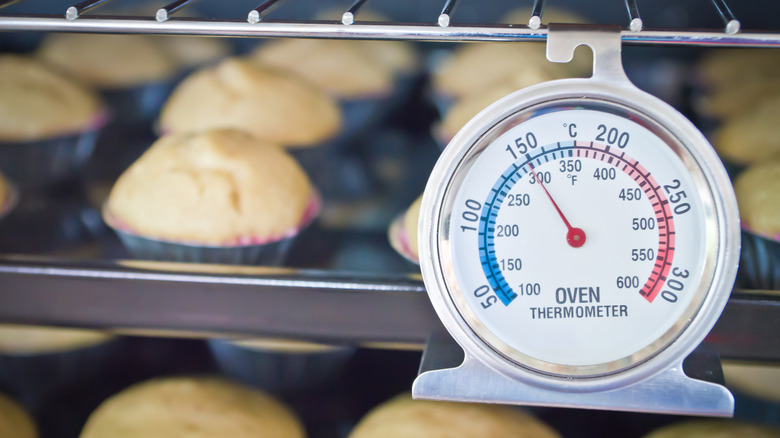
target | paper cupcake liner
x=759, y=266
x=399, y=240
x=39, y=163
x=269, y=251
x=271, y=254
x=32, y=377
x=280, y=371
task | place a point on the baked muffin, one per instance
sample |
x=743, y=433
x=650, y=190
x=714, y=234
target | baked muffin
x=280, y=365
x=761, y=381
x=713, y=429
x=37, y=103
x=758, y=195
x=403, y=232
x=464, y=73
x=48, y=122
x=751, y=137
x=721, y=68
x=7, y=196
x=40, y=361
x=189, y=52
x=27, y=340
x=108, y=61
x=465, y=108
x=183, y=406
x=218, y=188
x=15, y=421
x=346, y=69
x=404, y=417
x=267, y=103
x=732, y=81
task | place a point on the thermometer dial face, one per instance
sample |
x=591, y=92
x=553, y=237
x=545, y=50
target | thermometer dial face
x=580, y=238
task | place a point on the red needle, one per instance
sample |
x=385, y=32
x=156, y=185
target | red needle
x=575, y=236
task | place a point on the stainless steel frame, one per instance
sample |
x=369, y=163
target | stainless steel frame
x=489, y=376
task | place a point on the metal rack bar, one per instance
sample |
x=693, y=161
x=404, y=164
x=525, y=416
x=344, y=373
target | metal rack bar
x=324, y=29
x=210, y=301
x=349, y=17
x=635, y=21
x=257, y=14
x=446, y=13
x=729, y=20
x=536, y=14
x=222, y=301
x=74, y=12
x=165, y=12
x=4, y=3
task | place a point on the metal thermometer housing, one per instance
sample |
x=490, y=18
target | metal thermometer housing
x=579, y=234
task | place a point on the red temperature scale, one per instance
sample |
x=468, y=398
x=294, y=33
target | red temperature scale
x=579, y=239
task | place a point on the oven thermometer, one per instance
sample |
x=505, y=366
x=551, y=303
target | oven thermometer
x=579, y=239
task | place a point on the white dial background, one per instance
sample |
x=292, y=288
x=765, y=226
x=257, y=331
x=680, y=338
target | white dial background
x=615, y=323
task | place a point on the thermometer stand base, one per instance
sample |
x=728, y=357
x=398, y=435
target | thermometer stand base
x=668, y=392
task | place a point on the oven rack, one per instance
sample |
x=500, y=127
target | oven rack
x=206, y=301
x=81, y=17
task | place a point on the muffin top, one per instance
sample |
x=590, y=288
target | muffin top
x=713, y=429
x=212, y=188
x=344, y=68
x=21, y=340
x=193, y=51
x=464, y=73
x=192, y=407
x=14, y=420
x=752, y=136
x=404, y=417
x=739, y=97
x=38, y=103
x=411, y=219
x=721, y=68
x=757, y=380
x=108, y=61
x=468, y=106
x=758, y=196
x=267, y=103
x=5, y=195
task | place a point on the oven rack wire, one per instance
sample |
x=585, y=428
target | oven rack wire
x=260, y=22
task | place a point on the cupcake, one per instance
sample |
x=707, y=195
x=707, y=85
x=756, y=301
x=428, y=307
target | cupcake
x=404, y=417
x=367, y=78
x=216, y=196
x=48, y=123
x=36, y=361
x=189, y=52
x=732, y=81
x=757, y=380
x=268, y=103
x=8, y=196
x=15, y=421
x=713, y=428
x=751, y=137
x=280, y=366
x=403, y=232
x=758, y=196
x=185, y=406
x=134, y=72
x=345, y=69
x=464, y=109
